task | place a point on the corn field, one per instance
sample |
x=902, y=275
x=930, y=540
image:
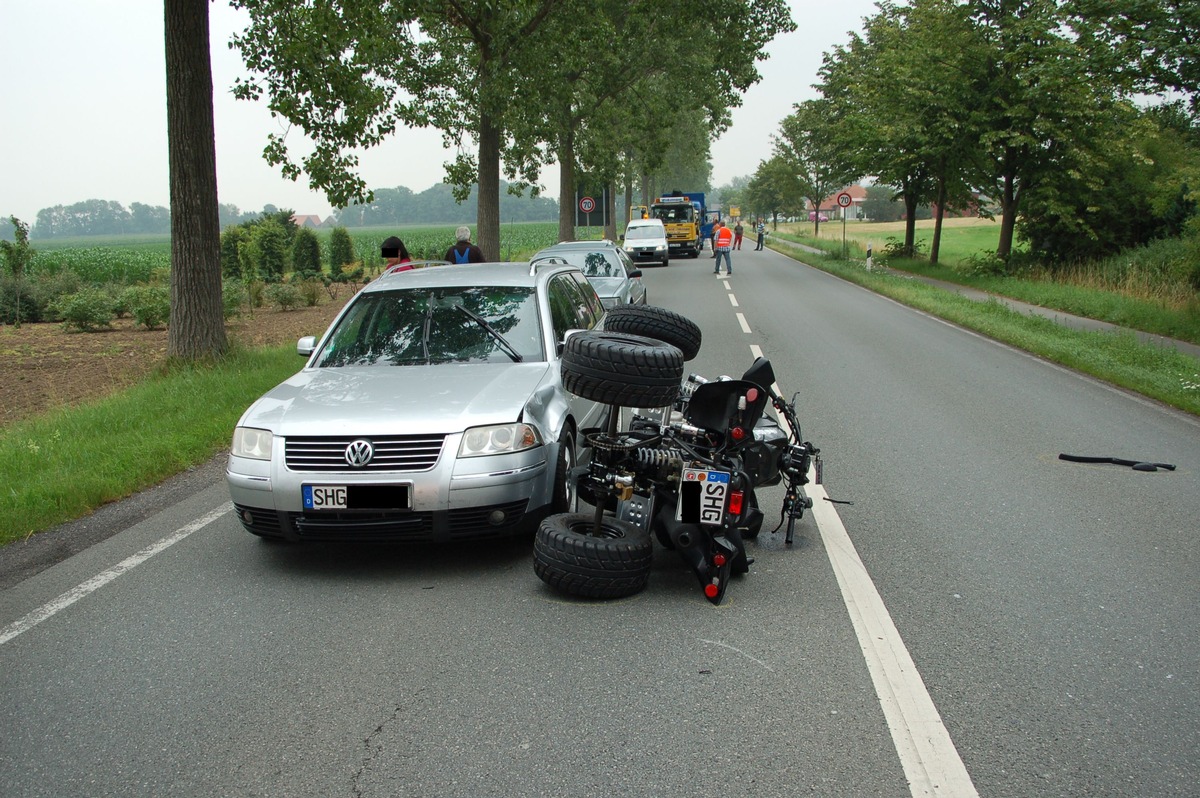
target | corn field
x=139, y=260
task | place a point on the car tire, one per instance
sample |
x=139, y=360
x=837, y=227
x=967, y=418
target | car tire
x=574, y=557
x=565, y=498
x=618, y=369
x=661, y=324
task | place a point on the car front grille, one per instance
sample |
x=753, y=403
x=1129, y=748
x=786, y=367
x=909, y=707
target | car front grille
x=392, y=453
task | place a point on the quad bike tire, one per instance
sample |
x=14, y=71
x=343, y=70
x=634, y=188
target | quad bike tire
x=661, y=324
x=622, y=370
x=574, y=557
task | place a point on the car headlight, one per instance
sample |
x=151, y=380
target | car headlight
x=498, y=439
x=252, y=443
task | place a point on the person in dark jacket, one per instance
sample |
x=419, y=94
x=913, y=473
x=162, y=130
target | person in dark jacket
x=464, y=251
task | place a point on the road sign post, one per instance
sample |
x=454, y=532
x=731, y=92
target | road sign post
x=843, y=201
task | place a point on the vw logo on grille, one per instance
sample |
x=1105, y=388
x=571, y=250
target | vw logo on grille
x=359, y=453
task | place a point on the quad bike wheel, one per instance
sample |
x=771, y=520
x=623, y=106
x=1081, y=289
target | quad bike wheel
x=620, y=369
x=661, y=324
x=574, y=556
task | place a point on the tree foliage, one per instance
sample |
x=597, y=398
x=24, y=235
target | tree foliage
x=526, y=81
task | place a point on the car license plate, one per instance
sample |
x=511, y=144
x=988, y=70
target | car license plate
x=356, y=497
x=702, y=496
x=324, y=497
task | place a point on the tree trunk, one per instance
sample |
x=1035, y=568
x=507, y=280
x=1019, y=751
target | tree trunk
x=910, y=224
x=197, y=326
x=566, y=190
x=610, y=210
x=1008, y=218
x=937, y=222
x=487, y=213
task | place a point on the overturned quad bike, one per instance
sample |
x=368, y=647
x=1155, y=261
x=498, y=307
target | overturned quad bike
x=684, y=472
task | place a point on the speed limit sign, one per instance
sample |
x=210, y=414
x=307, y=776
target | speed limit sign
x=587, y=204
x=844, y=200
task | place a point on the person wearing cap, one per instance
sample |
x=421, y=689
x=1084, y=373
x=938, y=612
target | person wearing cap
x=464, y=251
x=396, y=255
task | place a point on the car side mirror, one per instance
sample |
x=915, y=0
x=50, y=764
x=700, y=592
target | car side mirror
x=635, y=273
x=306, y=345
x=563, y=343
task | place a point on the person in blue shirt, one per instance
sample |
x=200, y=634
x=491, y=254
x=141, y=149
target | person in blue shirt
x=706, y=234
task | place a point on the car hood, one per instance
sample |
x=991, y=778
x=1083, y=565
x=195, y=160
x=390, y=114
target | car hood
x=395, y=400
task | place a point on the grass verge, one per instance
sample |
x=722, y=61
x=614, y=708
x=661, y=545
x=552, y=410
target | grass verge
x=63, y=465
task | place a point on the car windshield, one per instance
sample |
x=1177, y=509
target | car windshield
x=643, y=233
x=594, y=264
x=671, y=214
x=437, y=325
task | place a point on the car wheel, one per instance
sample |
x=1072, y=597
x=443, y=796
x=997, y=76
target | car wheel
x=618, y=369
x=565, y=499
x=658, y=323
x=575, y=556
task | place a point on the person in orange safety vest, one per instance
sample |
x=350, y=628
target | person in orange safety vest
x=723, y=243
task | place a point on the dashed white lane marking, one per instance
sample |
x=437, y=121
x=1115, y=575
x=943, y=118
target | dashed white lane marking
x=930, y=760
x=51, y=608
x=732, y=300
x=745, y=324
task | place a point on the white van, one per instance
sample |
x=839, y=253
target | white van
x=645, y=240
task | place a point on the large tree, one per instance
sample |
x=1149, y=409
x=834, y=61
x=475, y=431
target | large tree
x=805, y=145
x=528, y=81
x=1153, y=45
x=197, y=326
x=1041, y=98
x=349, y=72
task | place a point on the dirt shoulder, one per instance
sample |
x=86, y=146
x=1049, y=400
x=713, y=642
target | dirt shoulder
x=43, y=367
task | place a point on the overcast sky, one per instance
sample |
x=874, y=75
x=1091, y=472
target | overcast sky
x=83, y=99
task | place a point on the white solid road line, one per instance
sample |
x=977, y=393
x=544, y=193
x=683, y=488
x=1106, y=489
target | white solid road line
x=51, y=608
x=930, y=760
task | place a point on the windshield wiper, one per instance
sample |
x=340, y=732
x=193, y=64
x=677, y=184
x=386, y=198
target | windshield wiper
x=425, y=330
x=500, y=339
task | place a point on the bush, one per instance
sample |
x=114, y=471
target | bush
x=85, y=311
x=306, y=253
x=232, y=294
x=150, y=305
x=341, y=249
x=49, y=288
x=309, y=288
x=231, y=239
x=17, y=292
x=285, y=296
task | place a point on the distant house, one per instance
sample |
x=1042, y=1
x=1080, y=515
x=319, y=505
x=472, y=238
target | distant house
x=307, y=220
x=831, y=209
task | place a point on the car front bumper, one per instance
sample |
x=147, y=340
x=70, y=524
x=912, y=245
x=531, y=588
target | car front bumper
x=457, y=499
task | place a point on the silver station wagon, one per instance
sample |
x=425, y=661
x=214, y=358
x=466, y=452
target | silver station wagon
x=432, y=409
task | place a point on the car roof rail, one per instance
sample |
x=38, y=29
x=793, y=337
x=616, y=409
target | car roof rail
x=548, y=260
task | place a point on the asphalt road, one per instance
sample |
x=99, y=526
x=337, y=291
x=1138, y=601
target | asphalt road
x=983, y=619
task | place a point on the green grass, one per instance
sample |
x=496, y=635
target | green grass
x=63, y=465
x=1126, y=300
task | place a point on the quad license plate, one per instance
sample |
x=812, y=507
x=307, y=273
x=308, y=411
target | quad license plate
x=702, y=496
x=355, y=497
